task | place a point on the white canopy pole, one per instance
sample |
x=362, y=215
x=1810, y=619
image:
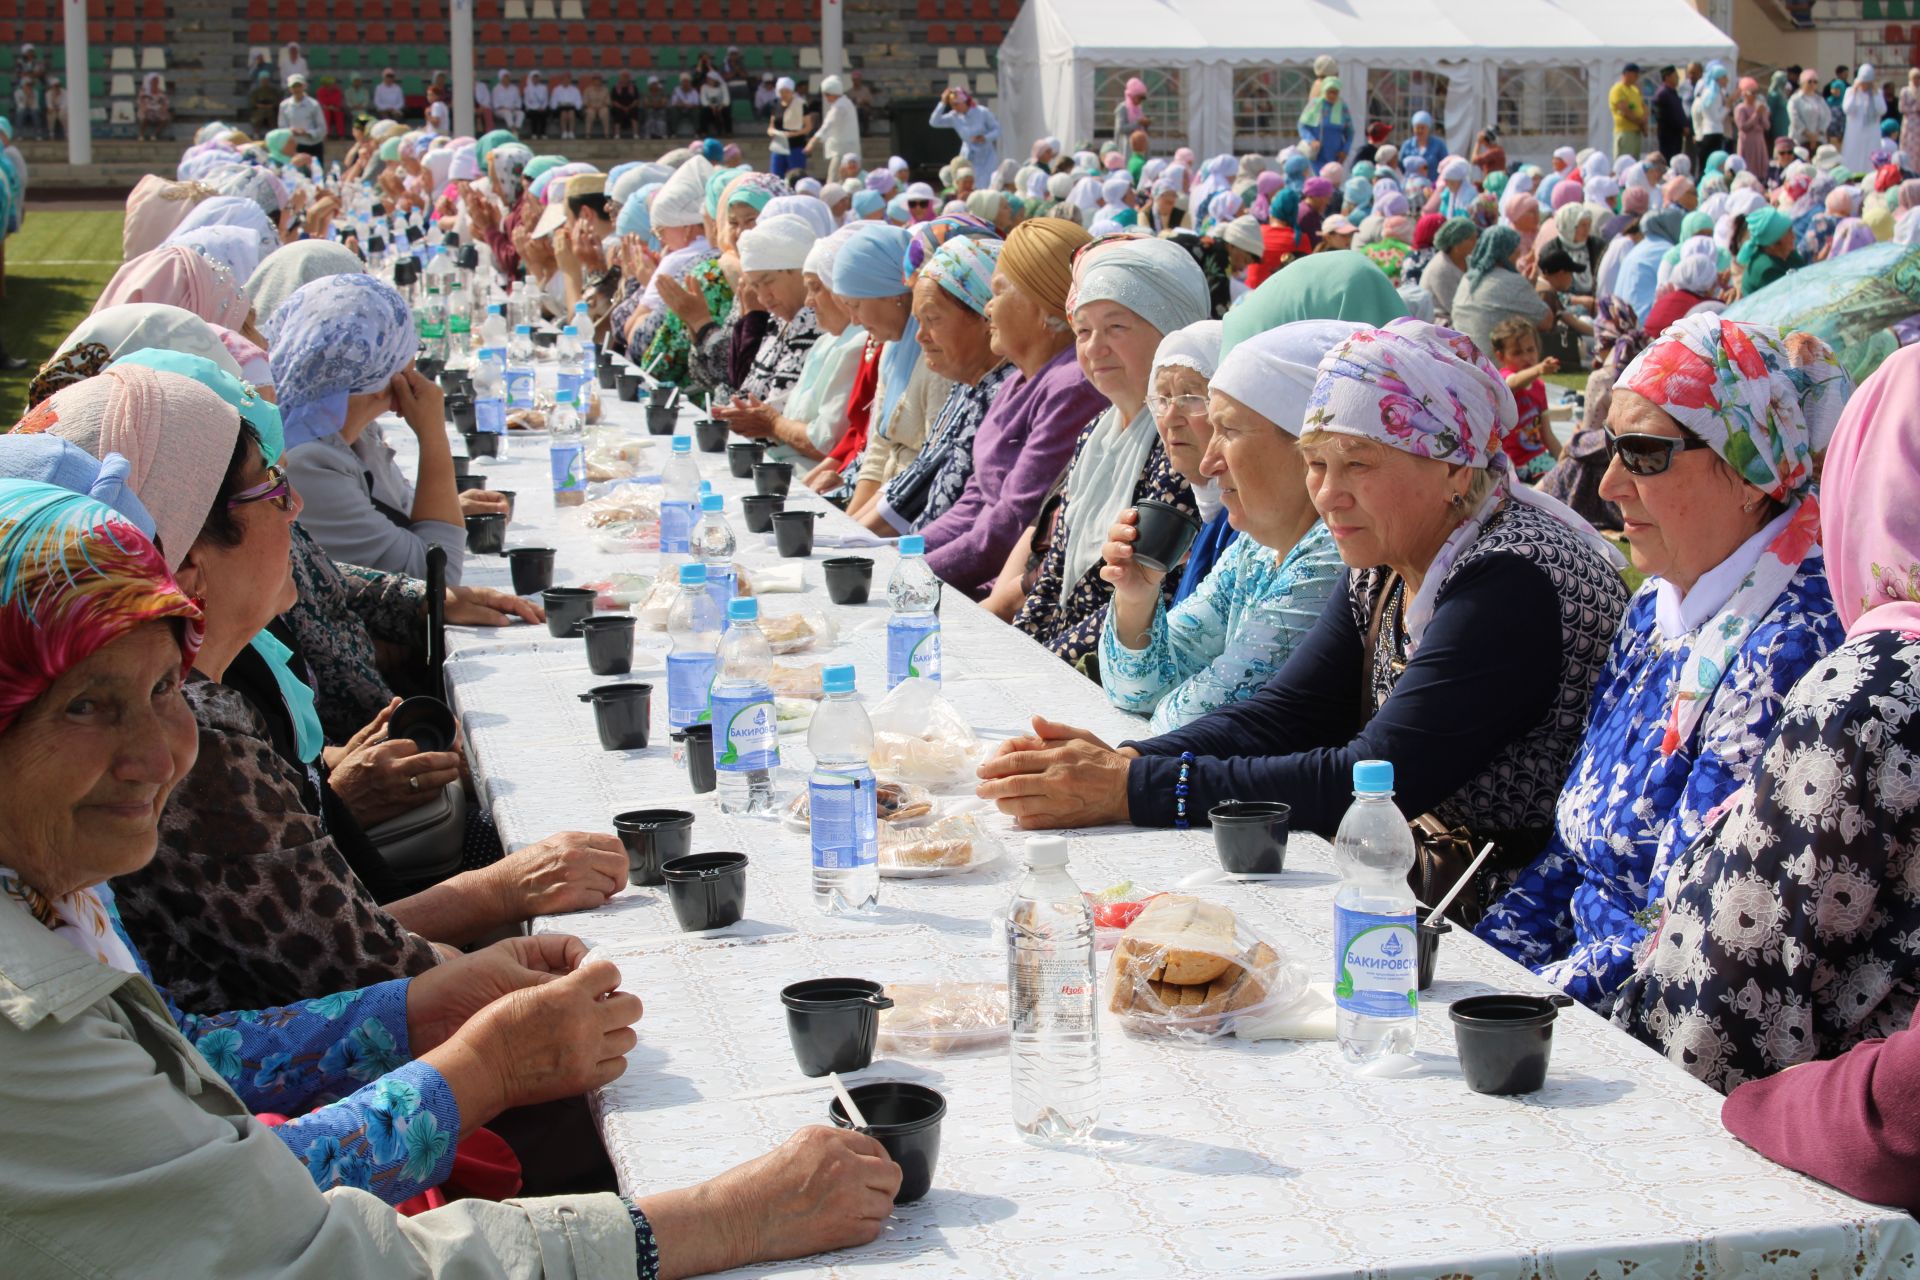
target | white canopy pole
x=79, y=85
x=460, y=28
x=833, y=54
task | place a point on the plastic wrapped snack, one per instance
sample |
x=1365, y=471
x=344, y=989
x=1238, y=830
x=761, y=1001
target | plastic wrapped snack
x=919, y=737
x=527, y=420
x=797, y=680
x=933, y=1019
x=947, y=845
x=1114, y=908
x=620, y=590
x=898, y=804
x=621, y=505
x=1188, y=968
x=799, y=631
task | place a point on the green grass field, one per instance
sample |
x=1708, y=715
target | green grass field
x=56, y=267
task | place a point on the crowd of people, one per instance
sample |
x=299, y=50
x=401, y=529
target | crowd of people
x=1701, y=792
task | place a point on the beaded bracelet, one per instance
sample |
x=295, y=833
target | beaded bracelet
x=1180, y=791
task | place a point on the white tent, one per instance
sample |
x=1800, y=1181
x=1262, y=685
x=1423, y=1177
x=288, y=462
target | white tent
x=1056, y=49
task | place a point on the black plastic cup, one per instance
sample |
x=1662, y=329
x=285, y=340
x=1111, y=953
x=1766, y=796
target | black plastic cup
x=834, y=1023
x=567, y=608
x=607, y=375
x=849, y=579
x=707, y=890
x=609, y=643
x=661, y=420
x=487, y=534
x=793, y=533
x=1504, y=1040
x=545, y=337
x=652, y=838
x=758, y=509
x=1251, y=835
x=460, y=411
x=629, y=386
x=464, y=481
x=906, y=1119
x=622, y=713
x=772, y=477
x=532, y=569
x=701, y=771
x=710, y=435
x=1164, y=534
x=483, y=444
x=426, y=722
x=429, y=368
x=1430, y=948
x=741, y=457
x=508, y=494
x=663, y=394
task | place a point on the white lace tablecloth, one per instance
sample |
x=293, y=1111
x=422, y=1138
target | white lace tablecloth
x=1236, y=1160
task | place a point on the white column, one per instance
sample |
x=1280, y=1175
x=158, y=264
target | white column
x=460, y=29
x=79, y=85
x=833, y=55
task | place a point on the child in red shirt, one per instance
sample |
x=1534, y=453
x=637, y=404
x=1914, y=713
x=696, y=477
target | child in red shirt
x=1531, y=445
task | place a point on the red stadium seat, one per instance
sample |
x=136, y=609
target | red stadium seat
x=259, y=33
x=404, y=33
x=551, y=33
x=97, y=30
x=525, y=57
x=938, y=33
x=487, y=9
x=489, y=33
x=520, y=33
x=153, y=33
x=493, y=57
x=992, y=34
x=433, y=33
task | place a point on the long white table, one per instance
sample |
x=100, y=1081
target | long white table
x=1236, y=1160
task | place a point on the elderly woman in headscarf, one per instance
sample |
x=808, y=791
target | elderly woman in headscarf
x=726, y=344
x=179, y=276
x=1493, y=290
x=1735, y=610
x=287, y=268
x=1454, y=193
x=342, y=355
x=951, y=293
x=1325, y=124
x=1127, y=296
x=232, y=211
x=106, y=335
x=155, y=208
x=979, y=130
x=1453, y=245
x=1572, y=229
x=1263, y=593
x=772, y=253
x=1767, y=250
x=869, y=281
x=1575, y=479
x=1402, y=446
x=657, y=339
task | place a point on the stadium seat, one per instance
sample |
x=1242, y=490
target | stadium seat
x=947, y=59
x=516, y=10
x=438, y=54
x=939, y=33
x=259, y=33
x=123, y=86
x=122, y=60
x=493, y=57
x=976, y=59
x=992, y=35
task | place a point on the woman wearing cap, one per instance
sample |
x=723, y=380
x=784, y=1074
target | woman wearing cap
x=1404, y=464
x=951, y=294
x=1223, y=640
x=1710, y=431
x=1127, y=295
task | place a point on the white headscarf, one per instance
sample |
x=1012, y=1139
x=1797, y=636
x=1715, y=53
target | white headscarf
x=1273, y=373
x=1196, y=347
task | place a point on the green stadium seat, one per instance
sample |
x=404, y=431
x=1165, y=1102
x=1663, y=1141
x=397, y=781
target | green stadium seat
x=439, y=56
x=6, y=86
x=409, y=56
x=96, y=58
x=1871, y=11
x=6, y=57
x=97, y=85
x=785, y=59
x=414, y=84
x=319, y=57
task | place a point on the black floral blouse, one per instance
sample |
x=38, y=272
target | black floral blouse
x=342, y=610
x=1071, y=627
x=776, y=363
x=1791, y=930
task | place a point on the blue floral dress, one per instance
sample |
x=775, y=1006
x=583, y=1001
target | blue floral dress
x=1627, y=812
x=395, y=1123
x=1228, y=637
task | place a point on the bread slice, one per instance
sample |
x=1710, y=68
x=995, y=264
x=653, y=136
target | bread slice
x=1181, y=939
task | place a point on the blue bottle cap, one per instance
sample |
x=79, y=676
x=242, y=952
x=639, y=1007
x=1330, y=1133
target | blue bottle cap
x=706, y=487
x=493, y=308
x=570, y=331
x=683, y=444
x=693, y=575
x=743, y=609
x=1373, y=776
x=712, y=501
x=523, y=328
x=913, y=545
x=837, y=679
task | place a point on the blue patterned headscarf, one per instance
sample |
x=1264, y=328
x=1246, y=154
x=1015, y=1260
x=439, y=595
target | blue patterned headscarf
x=963, y=266
x=336, y=337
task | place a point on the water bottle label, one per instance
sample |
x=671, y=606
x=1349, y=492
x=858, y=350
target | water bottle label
x=676, y=523
x=490, y=415
x=1375, y=964
x=746, y=734
x=845, y=822
x=520, y=388
x=913, y=649
x=689, y=686
x=569, y=463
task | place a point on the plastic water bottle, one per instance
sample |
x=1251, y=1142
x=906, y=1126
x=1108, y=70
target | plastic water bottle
x=567, y=452
x=490, y=396
x=845, y=812
x=566, y=353
x=746, y=732
x=679, y=496
x=913, y=632
x=432, y=320
x=520, y=368
x=459, y=328
x=1376, y=949
x=583, y=327
x=693, y=632
x=712, y=545
x=493, y=330
x=1052, y=998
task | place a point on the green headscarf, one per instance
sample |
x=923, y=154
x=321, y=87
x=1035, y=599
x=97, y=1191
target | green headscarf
x=1496, y=249
x=1316, y=109
x=717, y=186
x=1695, y=223
x=1455, y=230
x=1495, y=183
x=280, y=144
x=1764, y=226
x=390, y=150
x=1339, y=284
x=539, y=165
x=488, y=141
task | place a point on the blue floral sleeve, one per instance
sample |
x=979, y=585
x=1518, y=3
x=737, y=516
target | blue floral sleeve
x=394, y=1131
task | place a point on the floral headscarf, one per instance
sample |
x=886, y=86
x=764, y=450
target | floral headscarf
x=338, y=336
x=507, y=165
x=1870, y=521
x=1763, y=408
x=964, y=266
x=75, y=575
x=925, y=238
x=1617, y=332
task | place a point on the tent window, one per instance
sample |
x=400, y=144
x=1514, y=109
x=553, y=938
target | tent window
x=1165, y=107
x=1543, y=101
x=1266, y=106
x=1394, y=96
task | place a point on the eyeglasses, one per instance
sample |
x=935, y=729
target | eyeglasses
x=1647, y=455
x=1190, y=406
x=276, y=488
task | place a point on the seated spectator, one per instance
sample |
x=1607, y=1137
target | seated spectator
x=1454, y=244
x=1493, y=290
x=1128, y=295
x=1266, y=591
x=596, y=101
x=1443, y=550
x=1735, y=610
x=154, y=108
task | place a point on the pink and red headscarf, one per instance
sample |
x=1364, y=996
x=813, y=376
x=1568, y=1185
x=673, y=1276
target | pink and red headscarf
x=180, y=277
x=1870, y=521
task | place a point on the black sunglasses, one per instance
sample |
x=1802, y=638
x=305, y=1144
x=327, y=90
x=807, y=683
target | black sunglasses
x=1647, y=455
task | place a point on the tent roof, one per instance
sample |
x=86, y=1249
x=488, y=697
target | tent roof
x=1182, y=32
